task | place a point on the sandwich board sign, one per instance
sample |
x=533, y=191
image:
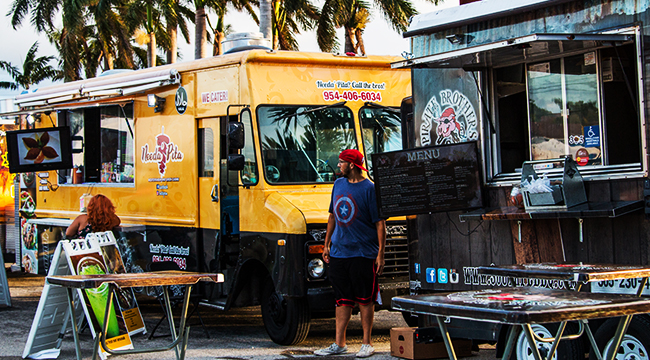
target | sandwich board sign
x=52, y=314
x=95, y=254
x=5, y=296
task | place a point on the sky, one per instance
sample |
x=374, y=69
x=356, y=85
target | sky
x=379, y=37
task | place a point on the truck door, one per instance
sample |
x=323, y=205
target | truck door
x=208, y=138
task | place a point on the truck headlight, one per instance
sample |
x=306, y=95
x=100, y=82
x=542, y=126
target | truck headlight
x=316, y=268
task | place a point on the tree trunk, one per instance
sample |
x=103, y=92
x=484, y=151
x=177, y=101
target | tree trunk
x=266, y=26
x=151, y=50
x=361, y=48
x=173, y=44
x=200, y=33
x=218, y=47
x=350, y=45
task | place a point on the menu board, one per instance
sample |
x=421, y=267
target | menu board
x=427, y=179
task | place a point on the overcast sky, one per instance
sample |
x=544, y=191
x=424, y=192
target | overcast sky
x=379, y=37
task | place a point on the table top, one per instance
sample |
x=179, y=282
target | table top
x=586, y=210
x=523, y=305
x=567, y=271
x=159, y=278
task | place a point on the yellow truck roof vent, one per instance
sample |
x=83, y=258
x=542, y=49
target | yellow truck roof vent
x=245, y=41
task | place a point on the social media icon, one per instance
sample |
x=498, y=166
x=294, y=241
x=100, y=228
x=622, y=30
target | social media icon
x=442, y=276
x=417, y=268
x=431, y=275
x=453, y=276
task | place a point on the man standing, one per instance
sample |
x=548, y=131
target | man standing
x=354, y=250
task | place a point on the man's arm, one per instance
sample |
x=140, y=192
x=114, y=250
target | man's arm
x=381, y=234
x=331, y=224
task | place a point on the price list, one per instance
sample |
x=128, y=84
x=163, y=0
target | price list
x=430, y=179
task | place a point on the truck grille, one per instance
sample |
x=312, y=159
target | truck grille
x=396, y=255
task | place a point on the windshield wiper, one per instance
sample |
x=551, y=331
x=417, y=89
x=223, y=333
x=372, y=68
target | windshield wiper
x=311, y=110
x=387, y=108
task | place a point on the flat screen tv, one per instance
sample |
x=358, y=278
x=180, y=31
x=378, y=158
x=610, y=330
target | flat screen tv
x=39, y=149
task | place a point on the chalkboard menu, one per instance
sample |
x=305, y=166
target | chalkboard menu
x=427, y=179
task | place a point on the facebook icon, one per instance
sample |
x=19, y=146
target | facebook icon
x=431, y=275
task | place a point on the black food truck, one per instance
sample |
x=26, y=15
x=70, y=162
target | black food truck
x=550, y=86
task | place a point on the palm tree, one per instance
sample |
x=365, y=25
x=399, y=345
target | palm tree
x=289, y=18
x=200, y=32
x=176, y=15
x=158, y=34
x=111, y=33
x=351, y=14
x=35, y=69
x=280, y=20
x=220, y=30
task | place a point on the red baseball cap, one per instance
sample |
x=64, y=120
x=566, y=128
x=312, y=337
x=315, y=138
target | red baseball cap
x=353, y=156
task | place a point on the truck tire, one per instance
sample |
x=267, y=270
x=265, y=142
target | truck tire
x=635, y=344
x=567, y=350
x=286, y=319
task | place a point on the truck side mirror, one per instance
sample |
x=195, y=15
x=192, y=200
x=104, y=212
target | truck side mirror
x=235, y=135
x=236, y=162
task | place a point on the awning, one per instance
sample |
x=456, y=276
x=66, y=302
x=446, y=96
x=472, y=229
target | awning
x=472, y=13
x=109, y=86
x=517, y=50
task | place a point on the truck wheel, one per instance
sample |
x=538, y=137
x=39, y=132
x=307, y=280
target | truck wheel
x=567, y=350
x=635, y=344
x=286, y=319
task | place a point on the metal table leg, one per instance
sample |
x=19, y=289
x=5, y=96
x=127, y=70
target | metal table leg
x=446, y=338
x=528, y=331
x=179, y=341
x=610, y=352
x=513, y=334
x=73, y=316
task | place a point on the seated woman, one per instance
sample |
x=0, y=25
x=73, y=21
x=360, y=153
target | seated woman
x=100, y=216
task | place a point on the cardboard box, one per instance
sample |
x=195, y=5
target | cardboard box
x=403, y=344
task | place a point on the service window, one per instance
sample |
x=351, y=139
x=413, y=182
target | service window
x=584, y=105
x=301, y=144
x=381, y=130
x=103, y=144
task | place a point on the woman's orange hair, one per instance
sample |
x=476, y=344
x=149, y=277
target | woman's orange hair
x=101, y=213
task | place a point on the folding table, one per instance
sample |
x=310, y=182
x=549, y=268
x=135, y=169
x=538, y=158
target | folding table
x=522, y=307
x=116, y=281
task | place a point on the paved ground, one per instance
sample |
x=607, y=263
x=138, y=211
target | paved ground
x=236, y=334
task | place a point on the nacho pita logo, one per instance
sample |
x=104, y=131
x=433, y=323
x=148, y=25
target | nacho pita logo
x=164, y=152
x=450, y=121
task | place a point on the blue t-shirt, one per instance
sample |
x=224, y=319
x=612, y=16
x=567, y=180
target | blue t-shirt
x=354, y=206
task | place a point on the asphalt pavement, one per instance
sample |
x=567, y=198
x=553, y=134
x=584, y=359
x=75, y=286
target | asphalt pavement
x=235, y=334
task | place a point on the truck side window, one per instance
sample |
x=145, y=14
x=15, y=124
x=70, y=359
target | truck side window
x=249, y=176
x=108, y=153
x=381, y=130
x=206, y=152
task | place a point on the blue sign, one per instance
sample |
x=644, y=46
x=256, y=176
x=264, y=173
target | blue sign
x=417, y=268
x=592, y=136
x=442, y=276
x=431, y=275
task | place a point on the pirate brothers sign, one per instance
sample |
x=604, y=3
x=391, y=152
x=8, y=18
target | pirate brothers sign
x=449, y=118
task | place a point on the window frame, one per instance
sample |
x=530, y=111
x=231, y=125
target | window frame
x=259, y=134
x=492, y=151
x=65, y=121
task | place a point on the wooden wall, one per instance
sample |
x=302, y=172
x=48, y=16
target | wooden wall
x=442, y=241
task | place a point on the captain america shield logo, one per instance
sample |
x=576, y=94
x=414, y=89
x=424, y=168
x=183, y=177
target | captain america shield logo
x=345, y=209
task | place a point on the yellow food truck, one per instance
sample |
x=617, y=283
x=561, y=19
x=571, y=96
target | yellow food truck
x=223, y=164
